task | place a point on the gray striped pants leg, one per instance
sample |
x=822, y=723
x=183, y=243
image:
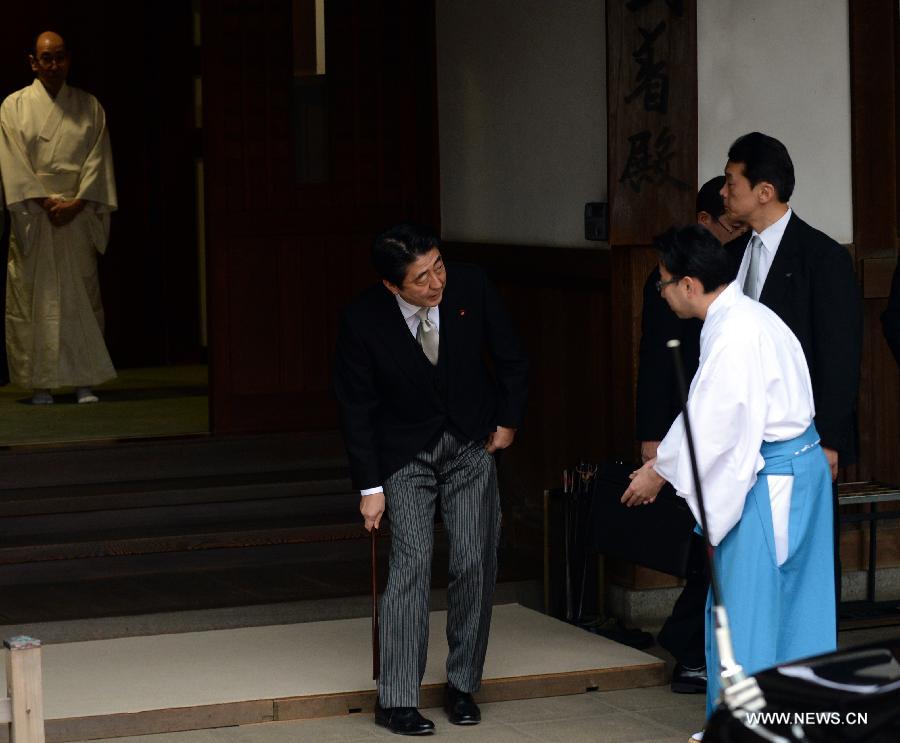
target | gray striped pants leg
x=470, y=509
x=463, y=477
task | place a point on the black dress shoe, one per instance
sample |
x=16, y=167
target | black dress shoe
x=689, y=680
x=461, y=708
x=403, y=720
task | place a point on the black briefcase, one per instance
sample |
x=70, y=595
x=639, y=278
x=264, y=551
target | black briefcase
x=657, y=535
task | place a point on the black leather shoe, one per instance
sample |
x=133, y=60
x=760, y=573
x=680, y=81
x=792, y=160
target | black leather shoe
x=689, y=680
x=403, y=720
x=461, y=708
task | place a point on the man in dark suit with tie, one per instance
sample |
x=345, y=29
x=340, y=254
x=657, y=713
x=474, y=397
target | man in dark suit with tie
x=807, y=279
x=422, y=414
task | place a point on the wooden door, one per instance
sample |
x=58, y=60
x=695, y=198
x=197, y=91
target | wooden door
x=285, y=256
x=136, y=58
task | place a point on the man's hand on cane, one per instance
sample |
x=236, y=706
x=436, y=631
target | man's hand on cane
x=372, y=509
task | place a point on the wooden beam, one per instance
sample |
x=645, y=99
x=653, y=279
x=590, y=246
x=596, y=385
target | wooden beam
x=652, y=117
x=873, y=81
x=23, y=681
x=652, y=155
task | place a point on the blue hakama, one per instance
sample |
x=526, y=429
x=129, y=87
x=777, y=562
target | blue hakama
x=778, y=613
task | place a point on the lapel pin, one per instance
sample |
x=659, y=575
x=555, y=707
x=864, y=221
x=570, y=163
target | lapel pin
x=462, y=313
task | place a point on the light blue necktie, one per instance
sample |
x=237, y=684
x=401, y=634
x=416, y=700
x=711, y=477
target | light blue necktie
x=752, y=278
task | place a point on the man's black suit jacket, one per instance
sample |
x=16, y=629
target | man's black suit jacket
x=812, y=287
x=658, y=396
x=390, y=404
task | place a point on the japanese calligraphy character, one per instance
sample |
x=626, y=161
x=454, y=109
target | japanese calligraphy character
x=652, y=78
x=646, y=166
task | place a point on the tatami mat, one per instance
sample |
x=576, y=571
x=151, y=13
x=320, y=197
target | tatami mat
x=167, y=675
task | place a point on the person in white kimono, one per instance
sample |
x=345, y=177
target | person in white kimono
x=57, y=172
x=766, y=481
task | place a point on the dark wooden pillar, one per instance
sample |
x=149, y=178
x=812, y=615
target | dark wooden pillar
x=652, y=155
x=287, y=250
x=652, y=123
x=874, y=56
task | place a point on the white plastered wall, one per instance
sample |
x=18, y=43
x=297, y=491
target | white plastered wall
x=781, y=67
x=522, y=118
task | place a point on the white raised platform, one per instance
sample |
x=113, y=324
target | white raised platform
x=163, y=683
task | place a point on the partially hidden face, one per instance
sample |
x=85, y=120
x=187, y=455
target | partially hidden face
x=723, y=228
x=673, y=291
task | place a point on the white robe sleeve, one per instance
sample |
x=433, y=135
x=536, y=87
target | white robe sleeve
x=19, y=180
x=96, y=182
x=727, y=407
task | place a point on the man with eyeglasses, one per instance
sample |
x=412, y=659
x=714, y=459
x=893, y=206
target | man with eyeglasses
x=57, y=171
x=658, y=404
x=766, y=479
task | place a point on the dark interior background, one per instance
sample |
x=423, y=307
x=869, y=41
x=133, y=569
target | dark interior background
x=138, y=59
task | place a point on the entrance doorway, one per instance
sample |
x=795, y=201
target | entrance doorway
x=140, y=60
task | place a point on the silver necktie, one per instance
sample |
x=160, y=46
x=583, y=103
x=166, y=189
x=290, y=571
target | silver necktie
x=752, y=278
x=427, y=336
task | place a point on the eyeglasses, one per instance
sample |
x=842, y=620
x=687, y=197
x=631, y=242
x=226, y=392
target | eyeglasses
x=661, y=284
x=725, y=226
x=47, y=59
x=734, y=228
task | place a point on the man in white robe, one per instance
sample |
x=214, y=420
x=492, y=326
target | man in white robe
x=57, y=171
x=766, y=481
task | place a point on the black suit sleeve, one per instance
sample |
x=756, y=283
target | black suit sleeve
x=654, y=383
x=354, y=387
x=890, y=320
x=658, y=396
x=836, y=325
x=508, y=355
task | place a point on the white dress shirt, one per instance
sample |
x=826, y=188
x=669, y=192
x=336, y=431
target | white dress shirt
x=412, y=322
x=409, y=314
x=771, y=239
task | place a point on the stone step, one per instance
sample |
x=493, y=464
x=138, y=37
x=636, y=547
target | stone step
x=24, y=467
x=120, y=496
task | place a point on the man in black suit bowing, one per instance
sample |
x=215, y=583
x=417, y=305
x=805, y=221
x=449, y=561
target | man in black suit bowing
x=422, y=415
x=807, y=279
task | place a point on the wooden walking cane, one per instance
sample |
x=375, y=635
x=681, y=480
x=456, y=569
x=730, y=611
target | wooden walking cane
x=375, y=649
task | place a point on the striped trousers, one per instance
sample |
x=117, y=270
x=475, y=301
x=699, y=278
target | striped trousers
x=462, y=478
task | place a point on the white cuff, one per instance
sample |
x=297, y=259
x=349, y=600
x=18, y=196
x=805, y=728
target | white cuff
x=371, y=491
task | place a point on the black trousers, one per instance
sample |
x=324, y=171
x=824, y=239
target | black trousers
x=684, y=632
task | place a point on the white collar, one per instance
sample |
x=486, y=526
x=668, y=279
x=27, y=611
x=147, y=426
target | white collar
x=406, y=308
x=40, y=90
x=771, y=235
x=729, y=295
